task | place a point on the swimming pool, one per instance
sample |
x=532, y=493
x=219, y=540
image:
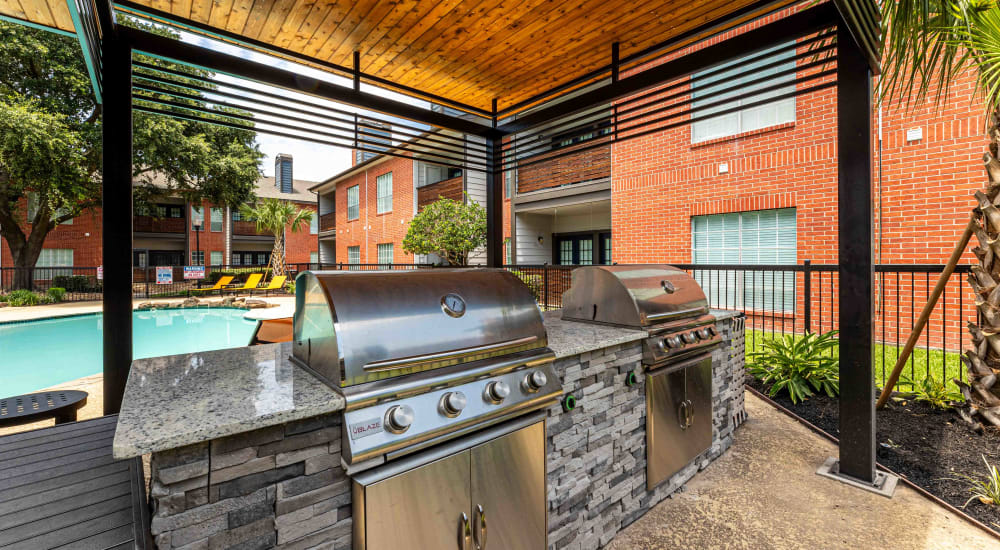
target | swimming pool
x=39, y=354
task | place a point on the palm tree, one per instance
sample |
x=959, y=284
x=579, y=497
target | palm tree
x=926, y=45
x=273, y=216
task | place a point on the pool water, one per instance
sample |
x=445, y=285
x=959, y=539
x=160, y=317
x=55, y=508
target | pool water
x=43, y=353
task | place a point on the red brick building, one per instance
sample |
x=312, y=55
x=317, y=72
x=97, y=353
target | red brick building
x=179, y=233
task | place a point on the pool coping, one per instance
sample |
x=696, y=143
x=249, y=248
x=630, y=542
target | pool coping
x=89, y=313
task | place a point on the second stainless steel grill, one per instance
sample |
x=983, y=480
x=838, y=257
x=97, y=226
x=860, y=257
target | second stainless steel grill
x=668, y=304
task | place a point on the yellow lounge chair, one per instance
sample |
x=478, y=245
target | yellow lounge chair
x=275, y=284
x=219, y=285
x=252, y=281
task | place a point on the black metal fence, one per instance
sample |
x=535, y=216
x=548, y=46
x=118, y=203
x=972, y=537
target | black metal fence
x=790, y=300
x=86, y=283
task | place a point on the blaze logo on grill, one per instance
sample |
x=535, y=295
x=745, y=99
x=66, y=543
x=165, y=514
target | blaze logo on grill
x=365, y=428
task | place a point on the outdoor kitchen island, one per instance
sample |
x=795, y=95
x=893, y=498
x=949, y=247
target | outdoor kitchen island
x=247, y=446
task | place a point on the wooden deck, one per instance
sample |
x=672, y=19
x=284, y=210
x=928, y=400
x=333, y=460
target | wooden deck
x=61, y=488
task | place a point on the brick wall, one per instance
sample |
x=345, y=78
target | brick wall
x=83, y=236
x=448, y=189
x=299, y=245
x=208, y=241
x=372, y=229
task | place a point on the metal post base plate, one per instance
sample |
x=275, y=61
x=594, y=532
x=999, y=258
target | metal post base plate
x=885, y=483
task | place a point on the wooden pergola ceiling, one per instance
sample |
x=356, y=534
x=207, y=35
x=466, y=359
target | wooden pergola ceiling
x=469, y=51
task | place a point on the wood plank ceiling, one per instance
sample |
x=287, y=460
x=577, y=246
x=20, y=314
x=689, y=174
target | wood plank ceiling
x=466, y=50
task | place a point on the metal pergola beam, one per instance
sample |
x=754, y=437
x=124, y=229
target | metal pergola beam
x=195, y=56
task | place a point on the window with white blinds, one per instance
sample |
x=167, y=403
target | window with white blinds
x=197, y=218
x=752, y=118
x=216, y=220
x=54, y=257
x=383, y=186
x=314, y=224
x=746, y=238
x=354, y=254
x=215, y=258
x=353, y=198
x=314, y=257
x=385, y=253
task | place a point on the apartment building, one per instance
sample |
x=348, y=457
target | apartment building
x=172, y=232
x=365, y=210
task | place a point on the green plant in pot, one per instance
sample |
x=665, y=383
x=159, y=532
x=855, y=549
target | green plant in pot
x=800, y=365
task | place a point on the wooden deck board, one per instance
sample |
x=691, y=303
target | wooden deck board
x=61, y=488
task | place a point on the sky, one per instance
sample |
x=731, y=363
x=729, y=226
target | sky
x=311, y=161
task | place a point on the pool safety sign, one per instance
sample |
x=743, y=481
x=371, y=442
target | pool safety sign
x=164, y=275
x=194, y=272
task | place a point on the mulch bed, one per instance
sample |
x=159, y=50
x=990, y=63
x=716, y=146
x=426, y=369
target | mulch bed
x=927, y=446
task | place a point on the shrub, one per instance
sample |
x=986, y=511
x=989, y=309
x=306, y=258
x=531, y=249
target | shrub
x=18, y=298
x=932, y=392
x=802, y=365
x=985, y=490
x=56, y=293
x=290, y=286
x=532, y=280
x=77, y=283
x=3, y=298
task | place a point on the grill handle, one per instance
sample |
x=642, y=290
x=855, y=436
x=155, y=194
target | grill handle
x=393, y=364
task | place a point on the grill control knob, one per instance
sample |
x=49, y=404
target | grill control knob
x=690, y=337
x=497, y=391
x=674, y=342
x=452, y=403
x=399, y=418
x=534, y=381
x=705, y=333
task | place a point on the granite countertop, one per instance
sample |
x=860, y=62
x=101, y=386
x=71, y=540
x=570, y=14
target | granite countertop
x=722, y=314
x=179, y=400
x=568, y=338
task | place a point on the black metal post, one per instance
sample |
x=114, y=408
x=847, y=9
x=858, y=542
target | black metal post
x=494, y=199
x=854, y=181
x=807, y=292
x=116, y=77
x=197, y=240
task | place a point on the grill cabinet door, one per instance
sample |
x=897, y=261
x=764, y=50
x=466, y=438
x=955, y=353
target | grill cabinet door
x=699, y=396
x=421, y=508
x=508, y=481
x=674, y=396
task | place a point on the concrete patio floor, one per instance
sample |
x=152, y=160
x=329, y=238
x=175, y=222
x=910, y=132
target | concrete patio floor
x=764, y=494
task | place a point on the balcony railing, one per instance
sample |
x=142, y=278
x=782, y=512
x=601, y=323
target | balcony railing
x=328, y=222
x=150, y=224
x=241, y=227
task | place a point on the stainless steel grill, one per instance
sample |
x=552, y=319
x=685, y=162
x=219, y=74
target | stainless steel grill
x=422, y=356
x=668, y=304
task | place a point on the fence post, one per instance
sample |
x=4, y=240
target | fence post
x=145, y=277
x=545, y=283
x=807, y=291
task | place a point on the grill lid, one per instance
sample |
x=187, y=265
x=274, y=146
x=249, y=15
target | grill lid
x=356, y=327
x=632, y=295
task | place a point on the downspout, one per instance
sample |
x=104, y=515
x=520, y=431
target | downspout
x=366, y=218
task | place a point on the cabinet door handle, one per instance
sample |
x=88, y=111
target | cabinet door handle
x=682, y=415
x=465, y=533
x=481, y=531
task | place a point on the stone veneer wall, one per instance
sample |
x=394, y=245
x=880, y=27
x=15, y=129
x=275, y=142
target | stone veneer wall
x=277, y=487
x=597, y=452
x=284, y=487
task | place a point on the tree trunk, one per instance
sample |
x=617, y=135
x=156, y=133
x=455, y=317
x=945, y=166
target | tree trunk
x=982, y=393
x=24, y=251
x=278, y=255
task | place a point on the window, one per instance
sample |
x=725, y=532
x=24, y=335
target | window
x=509, y=178
x=583, y=249
x=751, y=118
x=33, y=209
x=383, y=184
x=262, y=258
x=314, y=257
x=508, y=252
x=237, y=258
x=197, y=257
x=385, y=253
x=354, y=254
x=215, y=258
x=593, y=131
x=314, y=224
x=54, y=257
x=216, y=219
x=758, y=237
x=353, y=198
x=197, y=218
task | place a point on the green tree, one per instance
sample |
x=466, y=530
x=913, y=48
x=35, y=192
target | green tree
x=273, y=216
x=449, y=228
x=50, y=145
x=926, y=45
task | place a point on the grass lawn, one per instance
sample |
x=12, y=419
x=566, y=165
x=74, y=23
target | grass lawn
x=937, y=364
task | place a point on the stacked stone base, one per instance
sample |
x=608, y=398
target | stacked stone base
x=277, y=487
x=284, y=487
